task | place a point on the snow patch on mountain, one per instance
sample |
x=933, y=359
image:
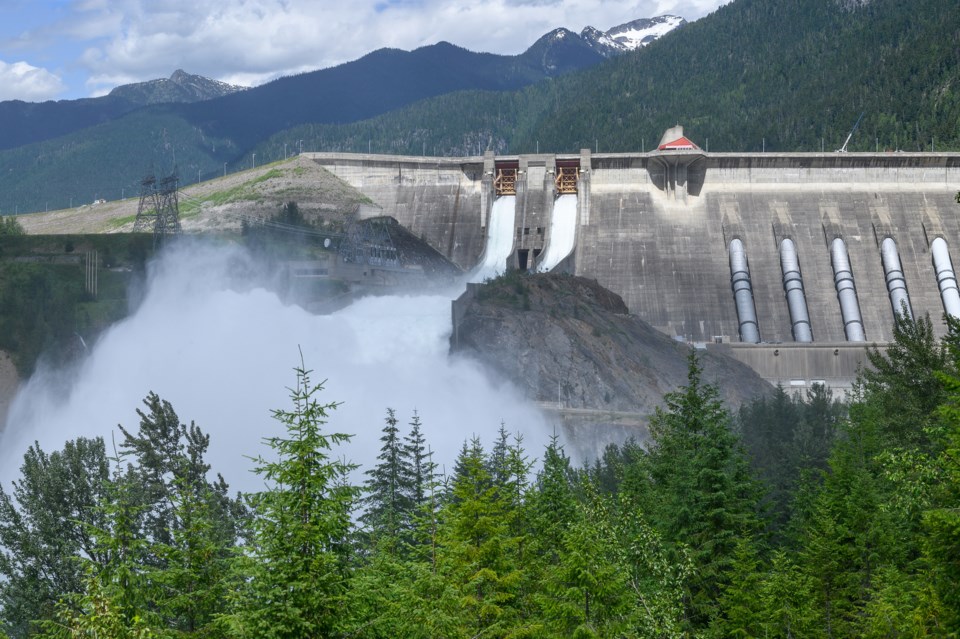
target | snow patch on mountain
x=640, y=33
x=631, y=35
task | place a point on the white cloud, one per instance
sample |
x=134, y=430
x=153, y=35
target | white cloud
x=252, y=41
x=103, y=43
x=22, y=81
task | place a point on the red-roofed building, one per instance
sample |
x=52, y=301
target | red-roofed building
x=680, y=144
x=674, y=140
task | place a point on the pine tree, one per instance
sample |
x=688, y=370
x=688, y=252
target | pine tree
x=390, y=487
x=478, y=552
x=296, y=569
x=703, y=495
x=422, y=467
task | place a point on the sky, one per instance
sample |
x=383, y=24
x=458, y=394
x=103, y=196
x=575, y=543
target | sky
x=68, y=49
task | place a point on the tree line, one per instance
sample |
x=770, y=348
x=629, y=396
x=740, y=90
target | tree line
x=793, y=517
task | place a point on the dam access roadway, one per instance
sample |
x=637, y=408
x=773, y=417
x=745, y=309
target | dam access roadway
x=656, y=228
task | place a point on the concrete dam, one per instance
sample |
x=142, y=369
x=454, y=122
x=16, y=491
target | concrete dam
x=795, y=262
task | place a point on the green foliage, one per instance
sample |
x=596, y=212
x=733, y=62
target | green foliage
x=296, y=570
x=942, y=517
x=702, y=494
x=788, y=437
x=391, y=488
x=45, y=523
x=664, y=542
x=10, y=226
x=38, y=305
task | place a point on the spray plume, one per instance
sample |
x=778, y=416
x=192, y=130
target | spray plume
x=222, y=350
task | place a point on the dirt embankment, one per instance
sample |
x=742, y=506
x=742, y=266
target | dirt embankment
x=219, y=204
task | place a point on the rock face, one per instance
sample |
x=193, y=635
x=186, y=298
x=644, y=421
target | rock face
x=568, y=341
x=180, y=87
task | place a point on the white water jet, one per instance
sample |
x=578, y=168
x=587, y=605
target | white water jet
x=563, y=232
x=222, y=353
x=499, y=242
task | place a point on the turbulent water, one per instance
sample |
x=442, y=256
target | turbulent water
x=222, y=351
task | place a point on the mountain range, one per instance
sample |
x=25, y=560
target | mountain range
x=754, y=75
x=555, y=53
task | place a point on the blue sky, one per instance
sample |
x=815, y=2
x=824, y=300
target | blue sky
x=66, y=49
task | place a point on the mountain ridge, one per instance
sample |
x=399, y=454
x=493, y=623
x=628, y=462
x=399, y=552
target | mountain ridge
x=31, y=122
x=180, y=87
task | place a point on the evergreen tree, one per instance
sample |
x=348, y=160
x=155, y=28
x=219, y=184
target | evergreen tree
x=903, y=385
x=703, y=495
x=295, y=572
x=189, y=524
x=422, y=467
x=391, y=486
x=478, y=552
x=47, y=521
x=553, y=504
x=117, y=595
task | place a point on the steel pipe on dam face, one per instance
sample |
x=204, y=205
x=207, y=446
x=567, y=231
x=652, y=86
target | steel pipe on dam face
x=896, y=283
x=743, y=293
x=946, y=277
x=846, y=291
x=793, y=288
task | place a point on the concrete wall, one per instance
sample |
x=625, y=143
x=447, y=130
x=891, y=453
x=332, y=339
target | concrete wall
x=438, y=199
x=655, y=228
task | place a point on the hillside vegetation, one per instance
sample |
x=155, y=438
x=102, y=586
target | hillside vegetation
x=796, y=517
x=777, y=75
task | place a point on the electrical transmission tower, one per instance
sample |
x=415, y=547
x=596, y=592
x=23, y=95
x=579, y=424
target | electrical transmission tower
x=159, y=209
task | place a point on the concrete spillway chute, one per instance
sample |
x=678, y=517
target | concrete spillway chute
x=893, y=273
x=846, y=291
x=793, y=289
x=743, y=293
x=563, y=232
x=499, y=242
x=946, y=277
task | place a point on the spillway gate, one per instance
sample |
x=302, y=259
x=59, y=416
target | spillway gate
x=566, y=179
x=505, y=182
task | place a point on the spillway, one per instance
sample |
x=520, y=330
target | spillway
x=499, y=242
x=563, y=232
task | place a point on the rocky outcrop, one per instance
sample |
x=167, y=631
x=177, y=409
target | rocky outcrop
x=181, y=87
x=568, y=341
x=9, y=384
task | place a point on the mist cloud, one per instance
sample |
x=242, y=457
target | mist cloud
x=222, y=349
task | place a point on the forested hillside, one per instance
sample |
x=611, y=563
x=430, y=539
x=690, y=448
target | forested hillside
x=799, y=517
x=780, y=75
x=775, y=75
